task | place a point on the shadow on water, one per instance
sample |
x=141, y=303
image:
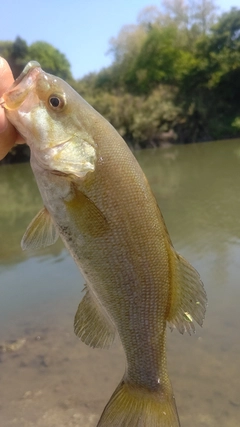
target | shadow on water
x=49, y=377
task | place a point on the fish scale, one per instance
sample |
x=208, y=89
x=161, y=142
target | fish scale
x=97, y=199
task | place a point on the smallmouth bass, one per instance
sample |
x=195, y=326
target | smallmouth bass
x=97, y=199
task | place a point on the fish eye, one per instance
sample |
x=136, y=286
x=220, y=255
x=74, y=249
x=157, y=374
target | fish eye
x=56, y=102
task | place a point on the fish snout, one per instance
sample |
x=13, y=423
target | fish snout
x=18, y=92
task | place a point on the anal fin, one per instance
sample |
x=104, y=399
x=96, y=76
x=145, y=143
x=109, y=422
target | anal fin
x=188, y=298
x=91, y=325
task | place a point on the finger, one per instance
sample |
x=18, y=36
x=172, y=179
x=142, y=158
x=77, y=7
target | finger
x=7, y=140
x=5, y=82
x=3, y=120
x=6, y=76
x=8, y=134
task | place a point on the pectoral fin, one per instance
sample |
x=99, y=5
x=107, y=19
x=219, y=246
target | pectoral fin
x=92, y=325
x=188, y=298
x=86, y=216
x=40, y=233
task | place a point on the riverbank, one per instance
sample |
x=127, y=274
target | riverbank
x=49, y=378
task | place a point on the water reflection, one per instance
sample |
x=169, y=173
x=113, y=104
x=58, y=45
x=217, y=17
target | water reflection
x=197, y=185
x=54, y=379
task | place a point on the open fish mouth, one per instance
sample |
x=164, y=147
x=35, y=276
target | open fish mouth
x=30, y=66
x=17, y=93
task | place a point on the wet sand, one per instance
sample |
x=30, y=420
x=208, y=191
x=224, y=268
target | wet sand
x=49, y=378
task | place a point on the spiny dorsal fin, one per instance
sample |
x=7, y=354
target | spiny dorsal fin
x=92, y=325
x=40, y=233
x=188, y=298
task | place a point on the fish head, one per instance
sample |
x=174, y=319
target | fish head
x=45, y=111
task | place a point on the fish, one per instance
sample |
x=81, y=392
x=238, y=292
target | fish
x=98, y=200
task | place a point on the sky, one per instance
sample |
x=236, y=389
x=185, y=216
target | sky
x=81, y=29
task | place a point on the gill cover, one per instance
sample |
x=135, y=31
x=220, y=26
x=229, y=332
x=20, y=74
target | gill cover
x=76, y=156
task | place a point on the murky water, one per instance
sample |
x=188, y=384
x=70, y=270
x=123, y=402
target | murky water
x=48, y=377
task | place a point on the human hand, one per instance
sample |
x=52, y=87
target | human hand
x=8, y=134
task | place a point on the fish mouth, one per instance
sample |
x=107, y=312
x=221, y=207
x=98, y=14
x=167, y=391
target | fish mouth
x=29, y=67
x=17, y=93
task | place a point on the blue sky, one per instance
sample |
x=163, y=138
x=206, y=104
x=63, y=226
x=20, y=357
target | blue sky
x=81, y=29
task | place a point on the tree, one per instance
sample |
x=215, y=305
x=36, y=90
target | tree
x=203, y=14
x=163, y=59
x=191, y=13
x=50, y=59
x=210, y=90
x=124, y=49
x=148, y=16
x=177, y=11
x=5, y=49
x=18, y=53
x=15, y=53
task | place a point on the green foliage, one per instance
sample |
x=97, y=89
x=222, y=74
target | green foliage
x=162, y=59
x=5, y=49
x=236, y=123
x=168, y=74
x=212, y=86
x=124, y=49
x=51, y=60
x=175, y=75
x=18, y=53
x=15, y=53
x=19, y=49
x=140, y=120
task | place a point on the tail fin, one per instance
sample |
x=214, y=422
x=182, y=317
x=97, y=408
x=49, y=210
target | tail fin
x=133, y=406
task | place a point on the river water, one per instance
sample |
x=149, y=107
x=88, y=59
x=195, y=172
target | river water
x=48, y=377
